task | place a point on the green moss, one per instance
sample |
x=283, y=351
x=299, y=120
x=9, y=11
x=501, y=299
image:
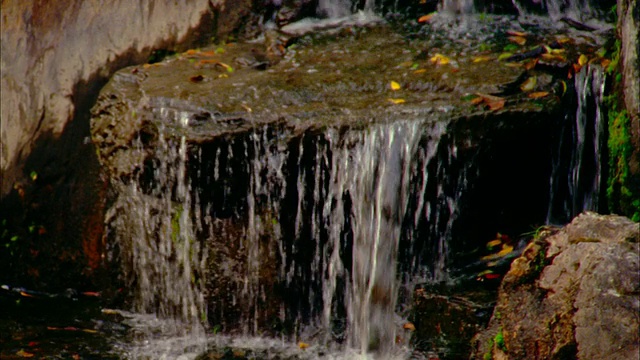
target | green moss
x=499, y=340
x=487, y=355
x=622, y=198
x=175, y=224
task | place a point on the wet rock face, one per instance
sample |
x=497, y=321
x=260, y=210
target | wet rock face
x=279, y=163
x=572, y=294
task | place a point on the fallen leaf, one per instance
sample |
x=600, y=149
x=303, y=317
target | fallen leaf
x=24, y=354
x=492, y=276
x=395, y=86
x=409, y=326
x=496, y=105
x=396, y=101
x=483, y=273
x=425, y=18
x=191, y=52
x=516, y=33
x=605, y=63
x=478, y=59
x=420, y=71
x=196, y=79
x=556, y=57
x=582, y=60
x=538, y=94
x=91, y=293
x=518, y=40
x=477, y=100
x=529, y=84
x=439, y=59
x=504, y=56
x=494, y=243
x=303, y=345
x=506, y=249
x=26, y=294
x=564, y=87
x=529, y=65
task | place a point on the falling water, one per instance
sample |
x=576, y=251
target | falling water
x=576, y=178
x=152, y=221
x=321, y=219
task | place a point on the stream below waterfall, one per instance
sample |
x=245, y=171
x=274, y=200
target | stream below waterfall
x=337, y=204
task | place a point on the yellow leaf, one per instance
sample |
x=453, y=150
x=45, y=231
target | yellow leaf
x=506, y=249
x=582, y=60
x=396, y=101
x=555, y=57
x=529, y=84
x=409, y=326
x=478, y=59
x=518, y=40
x=420, y=71
x=493, y=243
x=395, y=86
x=24, y=354
x=538, y=94
x=504, y=56
x=440, y=59
x=564, y=87
x=303, y=345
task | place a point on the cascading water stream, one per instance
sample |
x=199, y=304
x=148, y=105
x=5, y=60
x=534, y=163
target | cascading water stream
x=318, y=234
x=576, y=178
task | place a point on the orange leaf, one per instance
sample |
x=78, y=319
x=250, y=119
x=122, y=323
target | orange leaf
x=303, y=345
x=191, y=52
x=605, y=63
x=496, y=105
x=530, y=64
x=425, y=18
x=518, y=40
x=409, y=326
x=516, y=33
x=538, y=94
x=477, y=100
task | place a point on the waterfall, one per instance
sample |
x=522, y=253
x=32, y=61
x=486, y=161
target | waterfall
x=152, y=219
x=579, y=10
x=577, y=170
x=319, y=219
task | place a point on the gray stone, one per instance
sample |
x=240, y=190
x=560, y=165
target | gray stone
x=583, y=304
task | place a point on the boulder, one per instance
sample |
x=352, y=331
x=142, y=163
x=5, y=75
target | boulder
x=572, y=294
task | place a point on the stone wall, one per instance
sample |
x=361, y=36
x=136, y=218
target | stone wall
x=56, y=55
x=50, y=47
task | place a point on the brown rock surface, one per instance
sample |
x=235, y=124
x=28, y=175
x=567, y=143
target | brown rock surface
x=572, y=294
